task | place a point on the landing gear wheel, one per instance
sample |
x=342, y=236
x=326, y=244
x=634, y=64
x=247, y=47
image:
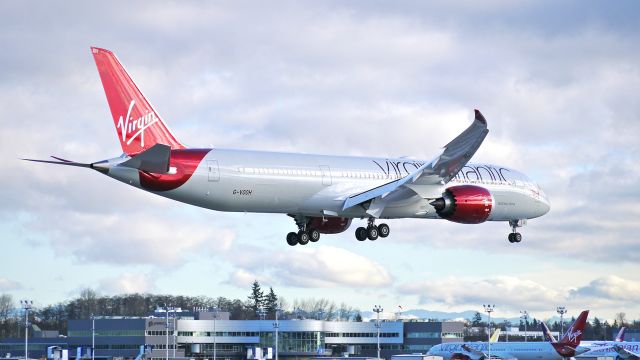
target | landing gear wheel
x=383, y=230
x=361, y=234
x=515, y=237
x=303, y=237
x=314, y=235
x=372, y=232
x=292, y=239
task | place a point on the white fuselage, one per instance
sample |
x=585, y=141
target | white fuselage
x=317, y=185
x=606, y=349
x=503, y=350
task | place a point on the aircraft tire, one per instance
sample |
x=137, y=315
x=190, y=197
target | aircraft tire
x=303, y=237
x=372, y=232
x=511, y=238
x=517, y=237
x=361, y=234
x=292, y=239
x=314, y=235
x=383, y=230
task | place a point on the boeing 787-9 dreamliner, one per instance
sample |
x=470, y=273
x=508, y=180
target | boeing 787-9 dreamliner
x=321, y=193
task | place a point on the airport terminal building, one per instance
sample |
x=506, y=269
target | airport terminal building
x=197, y=336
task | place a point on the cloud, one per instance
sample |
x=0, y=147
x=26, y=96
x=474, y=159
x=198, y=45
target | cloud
x=8, y=285
x=311, y=267
x=610, y=290
x=132, y=238
x=508, y=291
x=128, y=283
x=359, y=78
x=511, y=293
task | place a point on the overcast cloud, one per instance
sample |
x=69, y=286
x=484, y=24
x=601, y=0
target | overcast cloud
x=557, y=82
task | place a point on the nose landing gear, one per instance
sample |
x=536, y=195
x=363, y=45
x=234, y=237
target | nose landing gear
x=514, y=236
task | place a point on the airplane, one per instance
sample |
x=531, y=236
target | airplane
x=323, y=194
x=568, y=346
x=618, y=348
x=548, y=336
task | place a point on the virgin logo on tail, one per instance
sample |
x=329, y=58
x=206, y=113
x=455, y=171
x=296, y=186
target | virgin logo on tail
x=572, y=335
x=131, y=128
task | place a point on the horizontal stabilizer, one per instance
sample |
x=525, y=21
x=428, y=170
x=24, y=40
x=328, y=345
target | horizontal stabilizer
x=153, y=160
x=61, y=162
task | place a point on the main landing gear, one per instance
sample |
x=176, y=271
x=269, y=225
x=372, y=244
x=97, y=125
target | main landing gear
x=304, y=234
x=514, y=236
x=372, y=232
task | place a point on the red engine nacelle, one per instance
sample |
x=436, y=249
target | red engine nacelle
x=458, y=356
x=330, y=225
x=465, y=204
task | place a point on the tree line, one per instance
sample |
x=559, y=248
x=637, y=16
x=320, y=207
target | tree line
x=257, y=305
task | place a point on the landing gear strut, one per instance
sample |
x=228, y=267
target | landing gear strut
x=372, y=232
x=514, y=236
x=304, y=234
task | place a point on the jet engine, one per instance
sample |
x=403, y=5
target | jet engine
x=465, y=204
x=458, y=356
x=329, y=225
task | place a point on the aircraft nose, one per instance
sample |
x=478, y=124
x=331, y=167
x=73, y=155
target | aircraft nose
x=545, y=206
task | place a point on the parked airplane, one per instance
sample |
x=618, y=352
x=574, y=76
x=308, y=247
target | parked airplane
x=548, y=336
x=568, y=346
x=623, y=350
x=321, y=193
x=618, y=348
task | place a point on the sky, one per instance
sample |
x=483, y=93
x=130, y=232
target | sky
x=558, y=83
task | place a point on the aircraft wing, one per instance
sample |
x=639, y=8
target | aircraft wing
x=440, y=170
x=477, y=354
x=622, y=351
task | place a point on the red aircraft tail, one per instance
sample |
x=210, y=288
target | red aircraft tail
x=573, y=336
x=138, y=125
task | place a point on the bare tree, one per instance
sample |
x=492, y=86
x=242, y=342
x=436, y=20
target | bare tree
x=621, y=318
x=6, y=305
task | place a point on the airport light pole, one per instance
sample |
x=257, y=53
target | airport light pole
x=378, y=309
x=525, y=315
x=175, y=334
x=166, y=328
x=26, y=305
x=93, y=337
x=276, y=326
x=215, y=331
x=561, y=310
x=489, y=309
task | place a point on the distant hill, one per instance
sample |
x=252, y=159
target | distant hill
x=440, y=315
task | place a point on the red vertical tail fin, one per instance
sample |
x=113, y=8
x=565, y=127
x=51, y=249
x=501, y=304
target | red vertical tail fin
x=138, y=125
x=574, y=333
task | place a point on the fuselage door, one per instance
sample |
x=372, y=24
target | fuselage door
x=213, y=170
x=326, y=175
